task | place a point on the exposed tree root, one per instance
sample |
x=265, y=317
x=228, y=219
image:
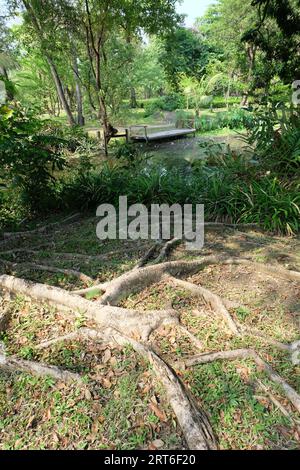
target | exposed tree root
x=45, y=228
x=124, y=326
x=250, y=331
x=194, y=340
x=219, y=308
x=51, y=269
x=137, y=279
x=192, y=420
x=148, y=255
x=166, y=249
x=81, y=334
x=14, y=364
x=291, y=394
x=261, y=386
x=276, y=271
x=4, y=320
x=214, y=300
x=129, y=321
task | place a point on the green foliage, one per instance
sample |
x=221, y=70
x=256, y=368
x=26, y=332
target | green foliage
x=126, y=151
x=28, y=157
x=281, y=47
x=183, y=52
x=227, y=185
x=12, y=211
x=221, y=102
x=275, y=133
x=169, y=102
x=235, y=119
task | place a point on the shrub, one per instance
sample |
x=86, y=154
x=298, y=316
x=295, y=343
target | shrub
x=28, y=157
x=275, y=134
x=236, y=119
x=221, y=102
x=230, y=190
x=165, y=103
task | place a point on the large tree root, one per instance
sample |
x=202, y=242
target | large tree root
x=261, y=386
x=192, y=420
x=15, y=235
x=166, y=249
x=51, y=269
x=291, y=394
x=15, y=364
x=148, y=255
x=220, y=309
x=124, y=326
x=130, y=321
x=136, y=280
x=250, y=331
x=212, y=299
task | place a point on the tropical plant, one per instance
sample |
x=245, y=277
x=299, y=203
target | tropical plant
x=275, y=134
x=28, y=157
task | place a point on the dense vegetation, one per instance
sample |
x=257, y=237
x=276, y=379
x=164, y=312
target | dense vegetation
x=190, y=69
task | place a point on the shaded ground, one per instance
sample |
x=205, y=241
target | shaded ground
x=122, y=405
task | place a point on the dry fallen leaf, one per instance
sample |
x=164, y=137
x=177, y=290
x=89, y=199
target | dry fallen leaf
x=106, y=356
x=106, y=383
x=159, y=413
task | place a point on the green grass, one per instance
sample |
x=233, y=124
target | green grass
x=240, y=420
x=113, y=414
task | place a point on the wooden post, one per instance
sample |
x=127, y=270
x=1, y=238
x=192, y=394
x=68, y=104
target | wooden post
x=146, y=135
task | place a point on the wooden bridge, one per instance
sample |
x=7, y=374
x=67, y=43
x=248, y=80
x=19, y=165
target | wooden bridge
x=142, y=133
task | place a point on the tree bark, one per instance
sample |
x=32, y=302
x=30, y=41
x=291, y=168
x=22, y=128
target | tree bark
x=251, y=53
x=56, y=78
x=60, y=90
x=94, y=44
x=9, y=92
x=133, y=101
x=80, y=117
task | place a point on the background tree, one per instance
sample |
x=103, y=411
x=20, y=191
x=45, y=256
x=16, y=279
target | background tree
x=282, y=18
x=183, y=52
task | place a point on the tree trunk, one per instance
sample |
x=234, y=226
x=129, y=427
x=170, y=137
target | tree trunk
x=60, y=91
x=133, y=101
x=80, y=117
x=251, y=52
x=9, y=92
x=40, y=33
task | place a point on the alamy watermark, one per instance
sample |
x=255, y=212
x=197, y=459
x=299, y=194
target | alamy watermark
x=137, y=222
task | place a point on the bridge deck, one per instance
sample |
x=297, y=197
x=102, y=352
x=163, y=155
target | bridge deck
x=162, y=135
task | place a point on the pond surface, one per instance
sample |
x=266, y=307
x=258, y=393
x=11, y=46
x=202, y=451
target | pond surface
x=182, y=152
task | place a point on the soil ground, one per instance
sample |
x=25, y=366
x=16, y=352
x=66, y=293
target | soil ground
x=123, y=406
